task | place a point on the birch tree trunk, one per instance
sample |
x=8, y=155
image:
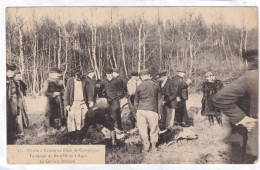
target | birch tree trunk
x=21, y=49
x=34, y=64
x=111, y=42
x=144, y=49
x=59, y=49
x=66, y=56
x=54, y=54
x=191, y=59
x=94, y=42
x=140, y=47
x=107, y=52
x=49, y=53
x=133, y=56
x=123, y=49
x=160, y=38
x=245, y=42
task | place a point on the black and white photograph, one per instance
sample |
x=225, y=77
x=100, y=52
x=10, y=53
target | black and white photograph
x=154, y=85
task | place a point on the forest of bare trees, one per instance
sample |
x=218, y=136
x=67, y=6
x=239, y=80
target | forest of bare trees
x=128, y=44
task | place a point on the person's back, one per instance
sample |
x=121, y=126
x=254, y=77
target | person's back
x=146, y=102
x=243, y=93
x=239, y=102
x=147, y=96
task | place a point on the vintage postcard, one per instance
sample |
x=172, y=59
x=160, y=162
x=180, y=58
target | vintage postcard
x=131, y=85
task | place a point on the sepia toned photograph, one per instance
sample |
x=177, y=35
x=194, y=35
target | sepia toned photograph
x=132, y=85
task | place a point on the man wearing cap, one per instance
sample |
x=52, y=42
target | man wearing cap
x=131, y=89
x=12, y=109
x=113, y=95
x=209, y=88
x=146, y=102
x=182, y=96
x=239, y=102
x=90, y=83
x=76, y=103
x=54, y=91
x=169, y=94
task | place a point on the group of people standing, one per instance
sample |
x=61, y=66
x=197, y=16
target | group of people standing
x=86, y=101
x=155, y=103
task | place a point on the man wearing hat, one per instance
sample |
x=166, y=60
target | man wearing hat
x=54, y=91
x=131, y=89
x=169, y=94
x=209, y=88
x=182, y=96
x=76, y=103
x=12, y=109
x=146, y=102
x=239, y=102
x=113, y=95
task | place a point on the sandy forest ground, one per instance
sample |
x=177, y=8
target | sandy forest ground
x=209, y=148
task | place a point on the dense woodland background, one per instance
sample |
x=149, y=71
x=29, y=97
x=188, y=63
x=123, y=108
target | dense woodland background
x=130, y=44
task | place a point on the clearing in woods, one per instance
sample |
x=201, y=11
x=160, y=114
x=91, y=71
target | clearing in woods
x=208, y=148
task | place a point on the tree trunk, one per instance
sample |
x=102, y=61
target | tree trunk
x=66, y=56
x=177, y=58
x=123, y=50
x=107, y=52
x=223, y=45
x=160, y=48
x=139, y=47
x=191, y=59
x=144, y=49
x=59, y=49
x=94, y=42
x=90, y=58
x=111, y=42
x=49, y=54
x=34, y=64
x=245, y=42
x=133, y=56
x=54, y=54
x=21, y=50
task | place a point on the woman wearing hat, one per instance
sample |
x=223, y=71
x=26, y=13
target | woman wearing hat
x=209, y=88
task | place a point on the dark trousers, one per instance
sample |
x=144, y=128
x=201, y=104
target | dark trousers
x=115, y=113
x=53, y=111
x=132, y=114
x=181, y=113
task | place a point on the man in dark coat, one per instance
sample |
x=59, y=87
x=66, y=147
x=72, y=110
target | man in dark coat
x=76, y=104
x=239, y=102
x=113, y=90
x=169, y=93
x=182, y=96
x=54, y=91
